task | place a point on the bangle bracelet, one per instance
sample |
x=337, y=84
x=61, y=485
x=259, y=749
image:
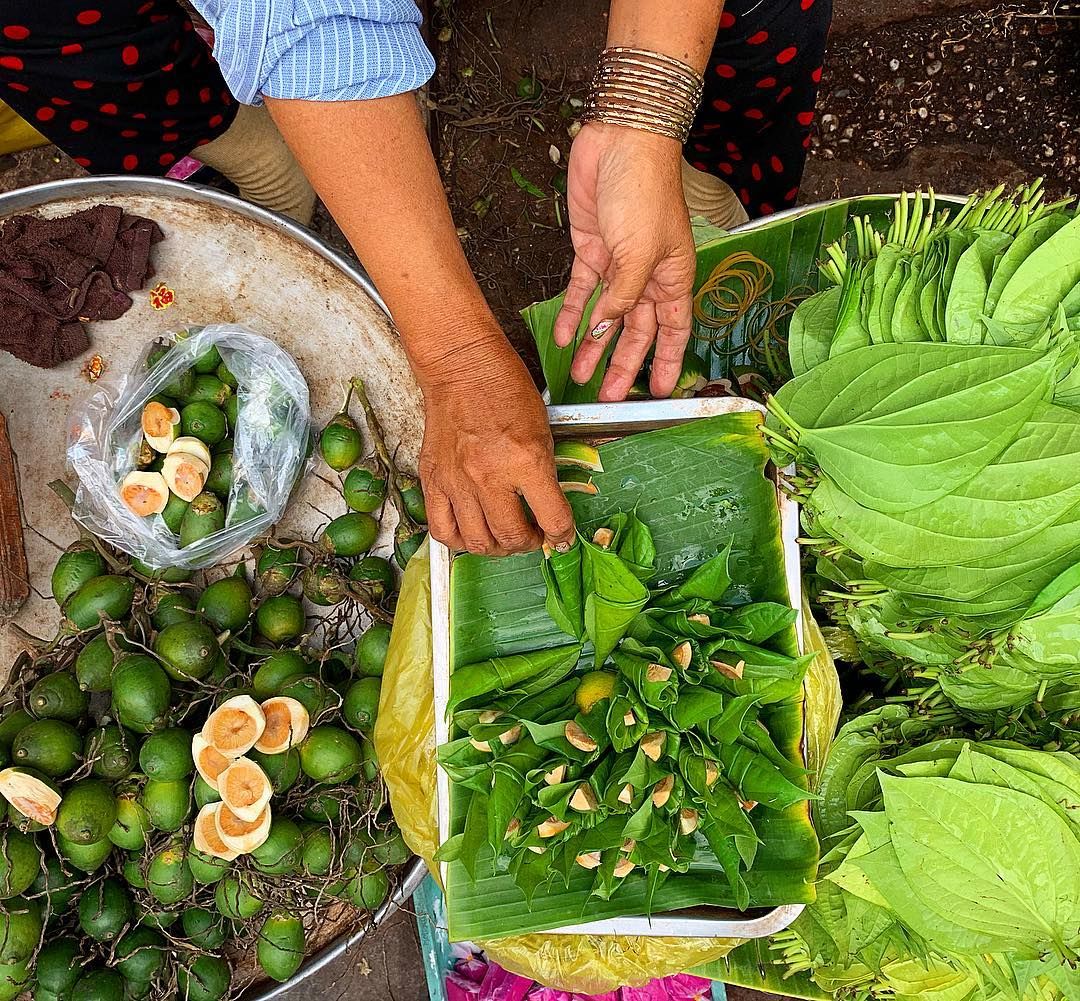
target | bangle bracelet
x=644, y=90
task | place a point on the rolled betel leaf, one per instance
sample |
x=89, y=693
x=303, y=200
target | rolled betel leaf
x=606, y=622
x=507, y=794
x=757, y=779
x=503, y=674
x=757, y=622
x=656, y=684
x=565, y=601
x=747, y=669
x=604, y=573
x=628, y=536
x=627, y=718
x=709, y=581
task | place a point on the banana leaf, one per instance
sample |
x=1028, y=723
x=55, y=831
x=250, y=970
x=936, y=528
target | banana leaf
x=697, y=486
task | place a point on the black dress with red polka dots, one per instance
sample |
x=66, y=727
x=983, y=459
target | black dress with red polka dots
x=123, y=86
x=753, y=128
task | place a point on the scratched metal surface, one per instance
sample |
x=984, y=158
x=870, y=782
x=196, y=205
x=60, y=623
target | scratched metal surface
x=227, y=261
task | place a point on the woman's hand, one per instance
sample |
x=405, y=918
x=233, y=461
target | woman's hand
x=487, y=448
x=631, y=230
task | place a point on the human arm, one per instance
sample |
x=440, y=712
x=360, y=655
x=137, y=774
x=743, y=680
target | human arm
x=628, y=218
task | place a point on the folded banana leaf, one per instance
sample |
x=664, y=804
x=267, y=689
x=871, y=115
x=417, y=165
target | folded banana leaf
x=699, y=487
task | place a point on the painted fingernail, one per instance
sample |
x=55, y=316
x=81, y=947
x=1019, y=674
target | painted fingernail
x=563, y=547
x=600, y=329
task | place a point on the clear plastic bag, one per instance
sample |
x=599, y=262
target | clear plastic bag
x=270, y=446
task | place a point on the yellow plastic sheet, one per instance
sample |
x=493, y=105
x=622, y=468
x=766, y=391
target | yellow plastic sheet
x=405, y=744
x=16, y=133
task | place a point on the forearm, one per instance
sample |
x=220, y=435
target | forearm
x=682, y=29
x=372, y=166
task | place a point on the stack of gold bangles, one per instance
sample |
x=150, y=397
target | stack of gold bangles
x=644, y=90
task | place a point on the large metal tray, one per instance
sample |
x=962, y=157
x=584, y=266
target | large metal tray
x=614, y=420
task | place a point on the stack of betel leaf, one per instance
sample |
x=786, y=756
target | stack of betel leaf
x=189, y=779
x=935, y=419
x=633, y=745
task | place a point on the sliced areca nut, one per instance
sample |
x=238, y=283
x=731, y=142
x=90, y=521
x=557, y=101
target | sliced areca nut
x=144, y=494
x=588, y=860
x=287, y=724
x=556, y=775
x=209, y=761
x=629, y=719
x=480, y=745
x=577, y=481
x=603, y=537
x=576, y=735
x=190, y=445
x=712, y=773
x=657, y=673
x=537, y=849
x=489, y=716
x=31, y=796
x=584, y=799
x=652, y=744
x=683, y=654
x=700, y=618
x=511, y=736
x=748, y=804
x=205, y=834
x=661, y=792
x=235, y=726
x=185, y=474
x=245, y=789
x=240, y=835
x=626, y=794
x=664, y=868
x=623, y=868
x=552, y=826
x=578, y=454
x=513, y=828
x=628, y=846
x=688, y=820
x=160, y=425
x=733, y=672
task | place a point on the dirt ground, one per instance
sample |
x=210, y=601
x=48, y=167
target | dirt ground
x=944, y=93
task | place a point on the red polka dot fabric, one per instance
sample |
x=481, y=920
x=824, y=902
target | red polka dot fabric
x=753, y=128
x=122, y=86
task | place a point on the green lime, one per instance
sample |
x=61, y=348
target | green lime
x=108, y=596
x=361, y=705
x=349, y=534
x=58, y=965
x=140, y=954
x=208, y=388
x=132, y=823
x=168, y=804
x=104, y=909
x=371, y=650
x=205, y=868
x=311, y=693
x=234, y=900
x=281, y=769
x=204, y=792
x=330, y=755
x=340, y=443
x=594, y=687
x=207, y=362
x=20, y=862
x=169, y=878
x=226, y=604
x=187, y=650
x=205, y=929
x=98, y=985
x=58, y=696
x=280, y=949
x=86, y=812
x=79, y=563
x=112, y=751
x=281, y=667
x=20, y=929
x=317, y=856
x=173, y=515
x=280, y=853
x=140, y=693
x=280, y=618
x=172, y=607
x=225, y=375
x=322, y=804
x=276, y=569
x=220, y=479
x=48, y=745
x=207, y=978
x=12, y=723
x=365, y=487
x=88, y=858
x=204, y=421
x=166, y=755
x=94, y=665
x=205, y=516
x=165, y=575
x=55, y=887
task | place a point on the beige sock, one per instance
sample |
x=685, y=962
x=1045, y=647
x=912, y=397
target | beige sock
x=711, y=198
x=252, y=154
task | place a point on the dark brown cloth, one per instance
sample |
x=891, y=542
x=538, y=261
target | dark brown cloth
x=56, y=273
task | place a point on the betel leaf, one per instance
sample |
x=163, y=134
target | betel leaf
x=851, y=330
x=709, y=581
x=757, y=779
x=811, y=330
x=1028, y=487
x=1043, y=280
x=906, y=319
x=967, y=294
x=995, y=861
x=1027, y=241
x=565, y=601
x=1050, y=630
x=500, y=674
x=606, y=622
x=657, y=685
x=898, y=426
x=757, y=622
